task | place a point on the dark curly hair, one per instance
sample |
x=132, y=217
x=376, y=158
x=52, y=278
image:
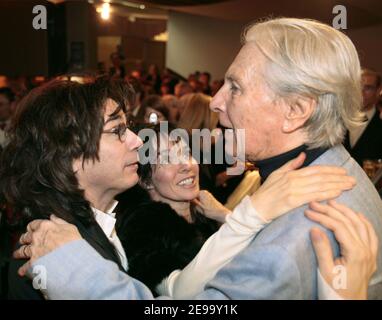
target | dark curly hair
x=55, y=124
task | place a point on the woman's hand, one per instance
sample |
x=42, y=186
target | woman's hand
x=288, y=188
x=210, y=207
x=358, y=246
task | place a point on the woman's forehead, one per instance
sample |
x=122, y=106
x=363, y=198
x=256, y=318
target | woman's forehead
x=165, y=142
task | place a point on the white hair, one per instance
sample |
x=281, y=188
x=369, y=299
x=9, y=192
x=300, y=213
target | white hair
x=307, y=58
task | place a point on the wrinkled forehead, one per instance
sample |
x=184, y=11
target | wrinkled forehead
x=248, y=62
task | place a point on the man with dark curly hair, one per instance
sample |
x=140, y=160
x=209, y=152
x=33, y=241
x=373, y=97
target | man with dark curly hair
x=71, y=152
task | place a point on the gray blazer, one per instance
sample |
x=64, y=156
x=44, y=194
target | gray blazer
x=278, y=264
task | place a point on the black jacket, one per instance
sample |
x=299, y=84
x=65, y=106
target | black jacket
x=158, y=241
x=22, y=289
x=369, y=145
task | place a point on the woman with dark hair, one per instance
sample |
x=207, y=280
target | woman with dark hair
x=61, y=140
x=167, y=223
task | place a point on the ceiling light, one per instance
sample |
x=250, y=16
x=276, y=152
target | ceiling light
x=105, y=11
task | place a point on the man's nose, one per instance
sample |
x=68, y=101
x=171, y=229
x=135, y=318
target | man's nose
x=139, y=142
x=217, y=103
x=135, y=142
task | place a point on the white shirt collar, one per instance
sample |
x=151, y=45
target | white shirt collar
x=106, y=220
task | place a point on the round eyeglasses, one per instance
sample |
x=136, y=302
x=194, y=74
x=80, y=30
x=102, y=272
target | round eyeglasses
x=121, y=130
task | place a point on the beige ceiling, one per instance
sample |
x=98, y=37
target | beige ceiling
x=361, y=13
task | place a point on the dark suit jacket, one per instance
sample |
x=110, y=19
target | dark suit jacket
x=22, y=288
x=158, y=241
x=369, y=145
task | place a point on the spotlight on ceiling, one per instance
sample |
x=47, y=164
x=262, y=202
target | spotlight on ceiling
x=105, y=11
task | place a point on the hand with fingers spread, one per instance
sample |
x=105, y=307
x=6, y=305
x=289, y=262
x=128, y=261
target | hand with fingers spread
x=358, y=245
x=287, y=188
x=42, y=237
x=210, y=207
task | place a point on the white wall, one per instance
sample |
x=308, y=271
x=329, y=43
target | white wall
x=207, y=44
x=200, y=43
x=106, y=46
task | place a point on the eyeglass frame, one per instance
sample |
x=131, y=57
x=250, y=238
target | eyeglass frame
x=121, y=129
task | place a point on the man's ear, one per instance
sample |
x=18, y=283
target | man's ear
x=77, y=165
x=297, y=113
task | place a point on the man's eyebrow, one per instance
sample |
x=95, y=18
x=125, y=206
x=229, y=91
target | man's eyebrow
x=113, y=118
x=232, y=78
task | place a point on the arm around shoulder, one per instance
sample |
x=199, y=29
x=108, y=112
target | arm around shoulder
x=76, y=271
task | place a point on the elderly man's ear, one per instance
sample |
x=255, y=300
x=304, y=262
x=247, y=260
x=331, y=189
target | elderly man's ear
x=297, y=112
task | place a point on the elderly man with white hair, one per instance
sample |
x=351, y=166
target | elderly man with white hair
x=294, y=87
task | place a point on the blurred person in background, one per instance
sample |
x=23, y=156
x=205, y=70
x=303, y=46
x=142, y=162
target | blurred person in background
x=139, y=93
x=152, y=110
x=153, y=78
x=364, y=141
x=196, y=85
x=137, y=74
x=165, y=89
x=204, y=79
x=215, y=86
x=182, y=88
x=169, y=79
x=118, y=69
x=172, y=104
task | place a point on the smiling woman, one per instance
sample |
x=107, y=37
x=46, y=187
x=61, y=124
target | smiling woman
x=163, y=230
